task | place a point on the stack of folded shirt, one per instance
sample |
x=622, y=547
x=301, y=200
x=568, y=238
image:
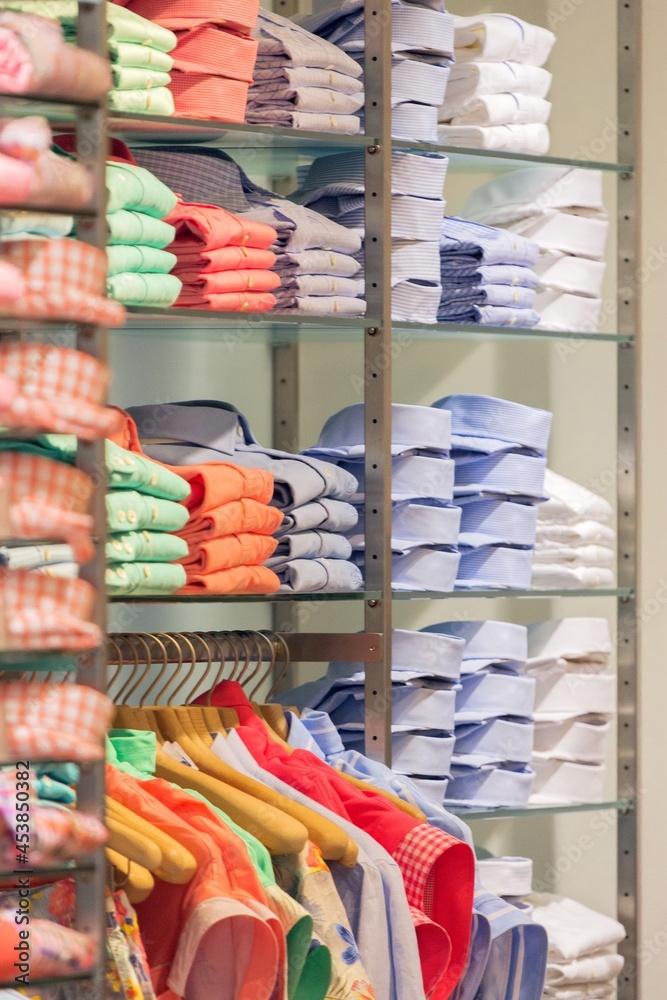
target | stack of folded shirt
x=302, y=81
x=31, y=174
x=422, y=45
x=45, y=613
x=425, y=527
x=562, y=210
x=143, y=510
x=499, y=450
x=574, y=703
x=138, y=49
x=312, y=554
x=493, y=716
x=214, y=55
x=497, y=97
x=425, y=672
x=222, y=260
x=575, y=542
x=583, y=963
x=486, y=275
x=35, y=60
x=334, y=186
x=313, y=252
x=137, y=202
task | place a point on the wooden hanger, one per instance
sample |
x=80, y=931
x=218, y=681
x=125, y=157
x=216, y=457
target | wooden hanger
x=177, y=865
x=136, y=880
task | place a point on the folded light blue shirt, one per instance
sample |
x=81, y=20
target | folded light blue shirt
x=413, y=477
x=485, y=244
x=496, y=522
x=502, y=474
x=496, y=741
x=485, y=696
x=495, y=566
x=487, y=643
x=415, y=524
x=413, y=428
x=487, y=424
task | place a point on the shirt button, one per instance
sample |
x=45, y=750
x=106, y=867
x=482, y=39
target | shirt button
x=128, y=548
x=132, y=517
x=147, y=572
x=154, y=479
x=116, y=544
x=121, y=573
x=121, y=515
x=154, y=513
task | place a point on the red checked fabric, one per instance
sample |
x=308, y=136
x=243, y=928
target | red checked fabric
x=236, y=15
x=43, y=612
x=57, y=834
x=57, y=389
x=210, y=49
x=199, y=95
x=64, y=279
x=55, y=721
x=48, y=499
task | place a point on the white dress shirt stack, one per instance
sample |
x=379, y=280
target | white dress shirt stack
x=575, y=541
x=422, y=47
x=575, y=702
x=562, y=210
x=583, y=963
x=496, y=92
x=334, y=186
x=424, y=522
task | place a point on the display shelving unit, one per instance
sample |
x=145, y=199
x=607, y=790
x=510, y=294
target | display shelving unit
x=285, y=333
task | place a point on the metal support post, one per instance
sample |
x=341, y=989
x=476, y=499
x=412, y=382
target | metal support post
x=628, y=320
x=285, y=423
x=377, y=369
x=92, y=153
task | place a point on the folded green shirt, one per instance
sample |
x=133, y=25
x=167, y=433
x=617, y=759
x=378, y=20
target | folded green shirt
x=128, y=470
x=144, y=56
x=157, y=102
x=138, y=190
x=124, y=25
x=145, y=546
x=128, y=510
x=136, y=258
x=36, y=224
x=134, y=289
x=138, y=78
x=143, y=578
x=126, y=228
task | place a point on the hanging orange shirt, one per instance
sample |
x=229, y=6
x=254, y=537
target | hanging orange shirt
x=200, y=937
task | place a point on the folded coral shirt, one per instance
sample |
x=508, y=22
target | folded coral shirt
x=205, y=225
x=239, y=580
x=208, y=48
x=214, y=484
x=223, y=258
x=226, y=553
x=233, y=518
x=225, y=282
x=236, y=15
x=200, y=95
x=227, y=301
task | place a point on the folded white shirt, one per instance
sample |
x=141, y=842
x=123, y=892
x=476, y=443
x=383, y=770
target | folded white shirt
x=564, y=694
x=564, y=311
x=583, y=740
x=468, y=80
x=501, y=109
x=601, y=968
x=577, y=533
x=566, y=782
x=552, y=576
x=573, y=557
x=553, y=229
x=570, y=502
x=506, y=876
x=580, y=991
x=565, y=273
x=533, y=190
x=496, y=37
x=574, y=930
x=533, y=139
x=568, y=638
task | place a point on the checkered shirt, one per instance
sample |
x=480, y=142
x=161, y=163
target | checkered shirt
x=43, y=612
x=59, y=389
x=236, y=15
x=200, y=95
x=210, y=49
x=64, y=280
x=55, y=721
x=48, y=499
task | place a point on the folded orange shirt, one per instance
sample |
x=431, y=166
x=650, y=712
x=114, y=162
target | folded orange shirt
x=208, y=227
x=200, y=95
x=213, y=484
x=207, y=48
x=223, y=258
x=240, y=580
x=227, y=553
x=227, y=302
x=233, y=518
x=222, y=282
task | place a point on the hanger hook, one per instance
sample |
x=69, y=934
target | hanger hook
x=287, y=660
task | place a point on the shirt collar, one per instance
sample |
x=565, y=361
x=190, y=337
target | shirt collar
x=133, y=751
x=519, y=193
x=487, y=424
x=203, y=423
x=322, y=732
x=488, y=641
x=300, y=736
x=412, y=428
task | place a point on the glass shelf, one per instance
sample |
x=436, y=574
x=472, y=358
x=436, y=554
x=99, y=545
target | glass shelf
x=53, y=872
x=56, y=109
x=358, y=595
x=286, y=328
x=37, y=659
x=620, y=805
x=474, y=161
x=433, y=595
